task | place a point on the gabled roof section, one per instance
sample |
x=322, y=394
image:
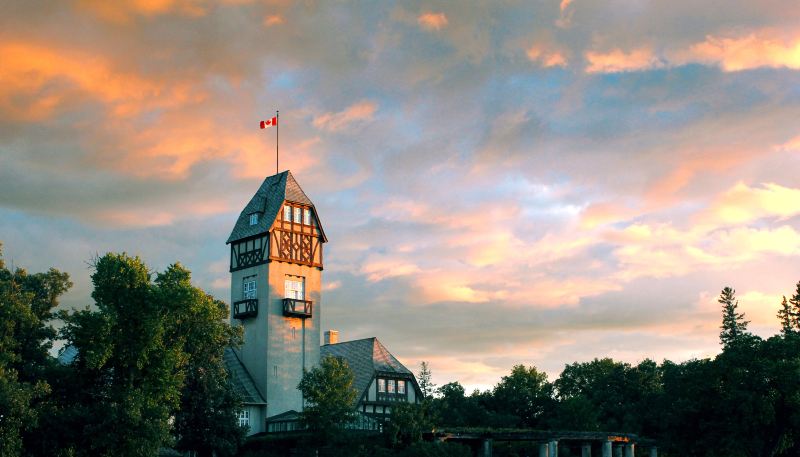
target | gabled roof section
x=366, y=358
x=241, y=380
x=267, y=202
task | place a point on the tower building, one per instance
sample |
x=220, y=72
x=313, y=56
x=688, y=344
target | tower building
x=276, y=283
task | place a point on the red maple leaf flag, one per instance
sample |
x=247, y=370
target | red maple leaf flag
x=269, y=122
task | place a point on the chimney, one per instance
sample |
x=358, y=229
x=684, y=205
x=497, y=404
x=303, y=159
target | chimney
x=331, y=336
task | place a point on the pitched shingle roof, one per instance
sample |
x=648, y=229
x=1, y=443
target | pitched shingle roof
x=366, y=358
x=267, y=202
x=241, y=380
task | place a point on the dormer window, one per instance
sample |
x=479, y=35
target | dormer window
x=287, y=213
x=381, y=385
x=254, y=219
x=307, y=216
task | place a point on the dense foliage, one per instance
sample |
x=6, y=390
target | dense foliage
x=147, y=370
x=743, y=403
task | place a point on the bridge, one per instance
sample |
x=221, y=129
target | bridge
x=548, y=442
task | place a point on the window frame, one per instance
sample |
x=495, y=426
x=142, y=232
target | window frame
x=401, y=386
x=287, y=213
x=249, y=288
x=381, y=386
x=253, y=218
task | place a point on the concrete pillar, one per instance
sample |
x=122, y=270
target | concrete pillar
x=629, y=450
x=607, y=449
x=586, y=450
x=486, y=448
x=543, y=450
x=653, y=451
x=618, y=450
x=553, y=448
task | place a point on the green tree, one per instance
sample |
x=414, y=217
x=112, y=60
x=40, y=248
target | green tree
x=26, y=303
x=409, y=421
x=205, y=422
x=786, y=317
x=426, y=385
x=734, y=327
x=525, y=393
x=129, y=369
x=329, y=395
x=794, y=301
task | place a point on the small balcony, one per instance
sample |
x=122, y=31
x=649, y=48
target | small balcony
x=293, y=307
x=244, y=309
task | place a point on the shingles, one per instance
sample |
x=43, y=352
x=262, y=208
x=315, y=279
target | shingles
x=365, y=357
x=241, y=380
x=267, y=201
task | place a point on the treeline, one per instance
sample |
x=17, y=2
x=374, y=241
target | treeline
x=744, y=402
x=146, y=370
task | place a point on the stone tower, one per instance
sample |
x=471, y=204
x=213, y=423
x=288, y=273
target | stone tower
x=276, y=293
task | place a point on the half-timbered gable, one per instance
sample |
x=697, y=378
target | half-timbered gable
x=380, y=379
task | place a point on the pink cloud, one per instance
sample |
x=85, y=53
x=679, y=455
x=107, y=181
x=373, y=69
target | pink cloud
x=273, y=19
x=546, y=57
x=360, y=112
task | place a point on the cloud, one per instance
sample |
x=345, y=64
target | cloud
x=754, y=50
x=432, y=21
x=743, y=203
x=618, y=61
x=273, y=19
x=545, y=57
x=358, y=113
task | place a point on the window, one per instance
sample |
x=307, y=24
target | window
x=249, y=288
x=294, y=288
x=254, y=219
x=244, y=418
x=390, y=386
x=298, y=215
x=287, y=213
x=401, y=387
x=307, y=216
x=381, y=385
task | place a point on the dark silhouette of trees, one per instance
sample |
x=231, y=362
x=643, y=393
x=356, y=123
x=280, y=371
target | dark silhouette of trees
x=734, y=327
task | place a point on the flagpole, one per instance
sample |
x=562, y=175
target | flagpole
x=277, y=126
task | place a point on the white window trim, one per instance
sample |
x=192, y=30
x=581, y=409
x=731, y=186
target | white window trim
x=287, y=213
x=254, y=219
x=381, y=385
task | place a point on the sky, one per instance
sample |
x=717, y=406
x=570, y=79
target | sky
x=501, y=183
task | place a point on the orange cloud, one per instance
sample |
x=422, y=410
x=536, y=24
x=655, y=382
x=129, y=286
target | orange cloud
x=432, y=21
x=604, y=213
x=359, y=112
x=35, y=81
x=273, y=19
x=546, y=57
x=618, y=61
x=744, y=53
x=122, y=11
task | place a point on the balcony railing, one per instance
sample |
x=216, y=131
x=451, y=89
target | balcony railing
x=297, y=308
x=244, y=309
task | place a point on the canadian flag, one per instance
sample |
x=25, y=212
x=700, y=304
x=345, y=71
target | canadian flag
x=269, y=122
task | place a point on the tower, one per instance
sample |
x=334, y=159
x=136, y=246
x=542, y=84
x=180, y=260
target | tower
x=276, y=293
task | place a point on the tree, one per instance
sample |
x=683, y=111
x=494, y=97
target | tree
x=734, y=327
x=795, y=304
x=408, y=422
x=205, y=422
x=426, y=385
x=329, y=395
x=26, y=303
x=786, y=317
x=525, y=393
x=130, y=370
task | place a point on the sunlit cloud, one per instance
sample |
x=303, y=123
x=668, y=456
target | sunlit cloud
x=618, y=61
x=273, y=19
x=743, y=203
x=745, y=52
x=546, y=57
x=357, y=113
x=432, y=21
